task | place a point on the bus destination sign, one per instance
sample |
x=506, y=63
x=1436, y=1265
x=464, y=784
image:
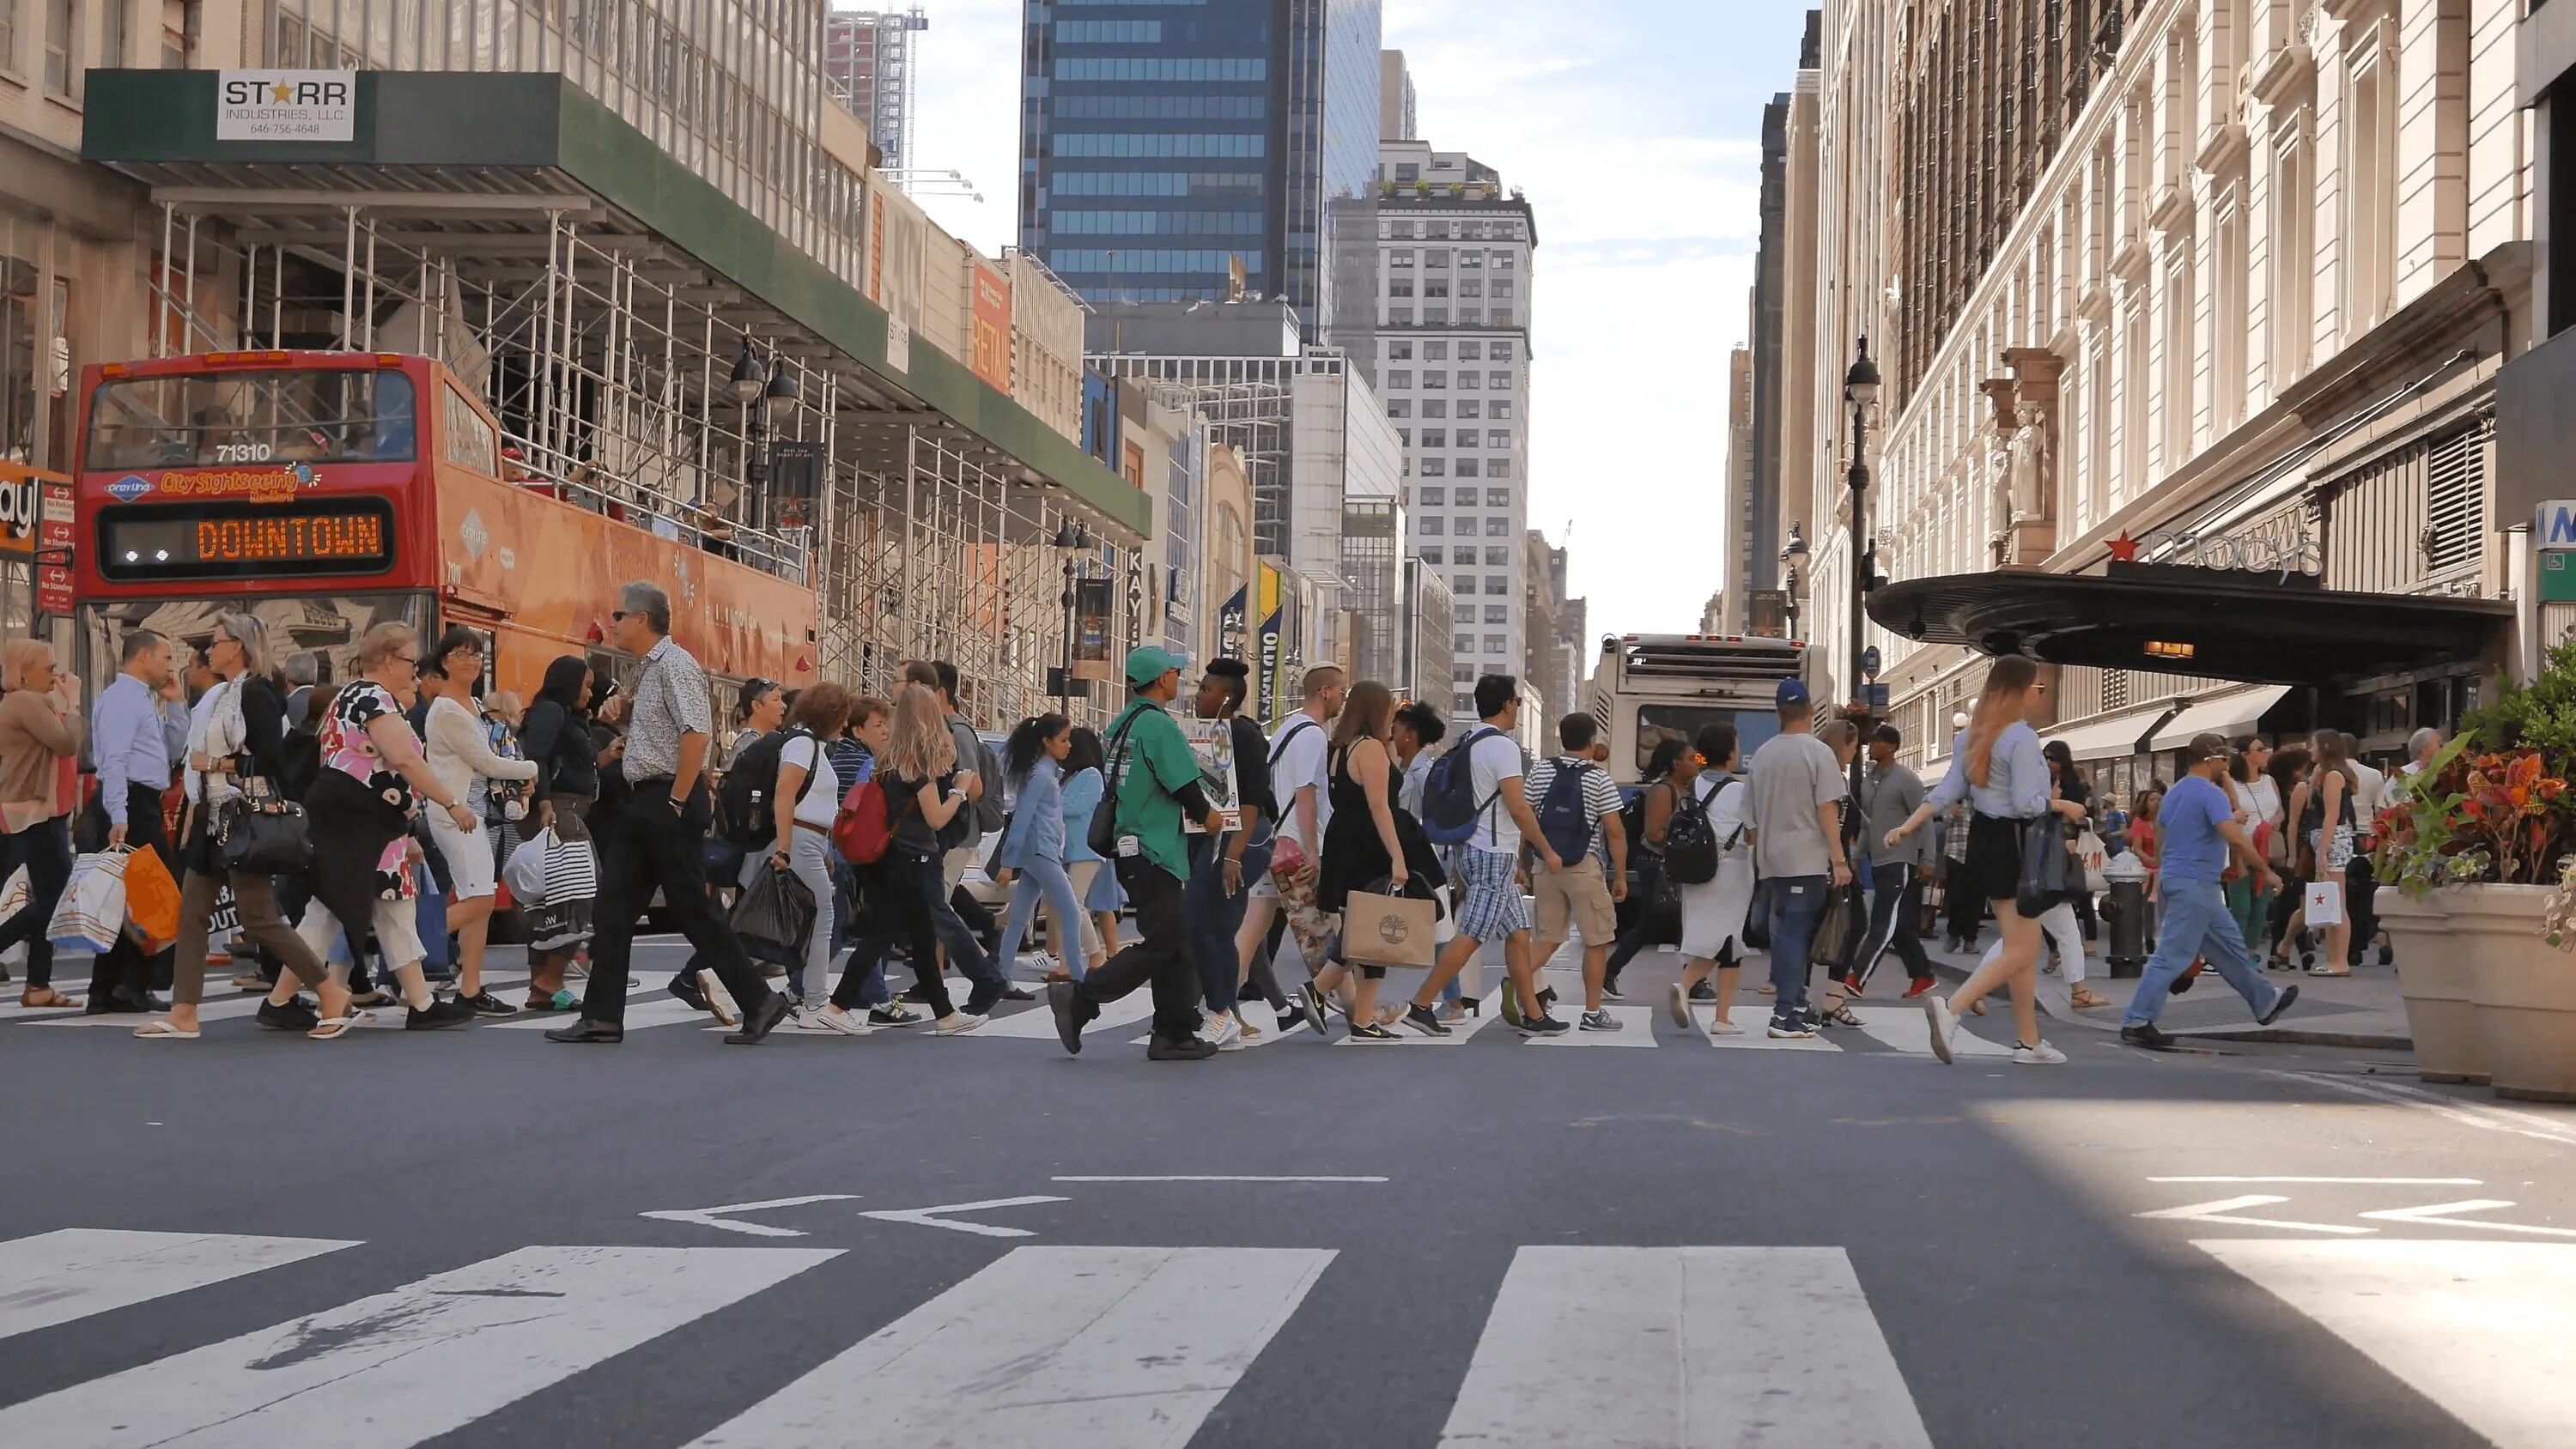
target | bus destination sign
x=338, y=538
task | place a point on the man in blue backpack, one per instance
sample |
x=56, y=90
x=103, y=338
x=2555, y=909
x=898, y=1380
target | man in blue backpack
x=1475, y=801
x=1578, y=814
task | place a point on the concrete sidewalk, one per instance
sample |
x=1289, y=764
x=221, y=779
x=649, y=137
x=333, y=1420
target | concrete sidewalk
x=2360, y=1010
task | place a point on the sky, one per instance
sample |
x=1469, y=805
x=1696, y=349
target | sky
x=1634, y=126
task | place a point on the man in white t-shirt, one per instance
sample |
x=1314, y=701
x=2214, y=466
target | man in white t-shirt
x=1297, y=753
x=1487, y=867
x=1797, y=793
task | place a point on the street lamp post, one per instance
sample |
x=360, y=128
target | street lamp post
x=1792, y=554
x=1860, y=389
x=1072, y=540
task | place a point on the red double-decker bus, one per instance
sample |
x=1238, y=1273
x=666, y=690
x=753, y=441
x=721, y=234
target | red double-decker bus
x=326, y=491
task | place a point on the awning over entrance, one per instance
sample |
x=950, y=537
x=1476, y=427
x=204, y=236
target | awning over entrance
x=2113, y=736
x=2224, y=628
x=2231, y=714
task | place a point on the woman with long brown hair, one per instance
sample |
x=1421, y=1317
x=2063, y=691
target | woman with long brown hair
x=1361, y=846
x=1997, y=766
x=40, y=736
x=2328, y=824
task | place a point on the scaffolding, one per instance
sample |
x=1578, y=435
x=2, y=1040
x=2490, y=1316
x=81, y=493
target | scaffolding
x=633, y=380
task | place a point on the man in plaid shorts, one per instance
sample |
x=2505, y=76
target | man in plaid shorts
x=1491, y=906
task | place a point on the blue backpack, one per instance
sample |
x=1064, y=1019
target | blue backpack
x=1562, y=820
x=1450, y=809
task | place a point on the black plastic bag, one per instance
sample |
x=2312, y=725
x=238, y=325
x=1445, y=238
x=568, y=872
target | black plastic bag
x=775, y=917
x=2047, y=866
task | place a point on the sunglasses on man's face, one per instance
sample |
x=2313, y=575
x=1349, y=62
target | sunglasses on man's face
x=617, y=616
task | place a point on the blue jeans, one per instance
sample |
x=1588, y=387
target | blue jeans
x=1211, y=917
x=1797, y=905
x=2196, y=922
x=1043, y=877
x=964, y=951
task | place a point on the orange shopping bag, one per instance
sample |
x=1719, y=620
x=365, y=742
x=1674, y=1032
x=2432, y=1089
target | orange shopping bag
x=151, y=900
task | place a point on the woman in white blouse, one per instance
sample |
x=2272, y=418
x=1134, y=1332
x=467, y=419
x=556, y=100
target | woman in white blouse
x=2258, y=808
x=460, y=753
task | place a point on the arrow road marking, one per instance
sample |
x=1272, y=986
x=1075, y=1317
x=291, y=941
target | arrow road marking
x=2440, y=1212
x=929, y=1217
x=2218, y=1212
x=715, y=1217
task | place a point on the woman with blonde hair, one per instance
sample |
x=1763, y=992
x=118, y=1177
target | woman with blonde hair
x=235, y=754
x=1997, y=766
x=40, y=736
x=918, y=773
x=1362, y=847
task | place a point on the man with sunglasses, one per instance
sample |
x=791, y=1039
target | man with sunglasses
x=661, y=837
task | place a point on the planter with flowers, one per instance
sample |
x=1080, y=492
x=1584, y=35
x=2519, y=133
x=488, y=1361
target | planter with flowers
x=2478, y=846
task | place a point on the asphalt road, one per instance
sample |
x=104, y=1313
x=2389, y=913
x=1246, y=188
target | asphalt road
x=478, y=1238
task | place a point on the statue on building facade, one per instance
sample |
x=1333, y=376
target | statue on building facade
x=2027, y=486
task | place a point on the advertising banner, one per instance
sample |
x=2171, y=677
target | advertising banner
x=1091, y=630
x=1272, y=662
x=990, y=342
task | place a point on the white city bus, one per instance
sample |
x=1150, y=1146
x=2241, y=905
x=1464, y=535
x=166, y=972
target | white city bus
x=1653, y=687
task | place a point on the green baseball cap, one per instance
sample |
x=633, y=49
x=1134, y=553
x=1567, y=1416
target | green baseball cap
x=1150, y=662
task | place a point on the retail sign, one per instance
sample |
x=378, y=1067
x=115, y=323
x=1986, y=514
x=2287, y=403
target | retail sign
x=286, y=105
x=2555, y=524
x=2558, y=577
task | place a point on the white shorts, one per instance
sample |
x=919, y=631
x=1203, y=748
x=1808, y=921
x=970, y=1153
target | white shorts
x=470, y=867
x=397, y=923
x=1713, y=911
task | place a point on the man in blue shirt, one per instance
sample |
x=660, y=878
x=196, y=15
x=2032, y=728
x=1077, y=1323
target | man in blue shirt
x=138, y=732
x=2197, y=828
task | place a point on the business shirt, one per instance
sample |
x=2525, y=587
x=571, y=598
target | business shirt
x=138, y=735
x=670, y=701
x=1889, y=798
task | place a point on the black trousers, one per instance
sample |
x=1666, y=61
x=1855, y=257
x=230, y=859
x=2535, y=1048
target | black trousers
x=654, y=848
x=124, y=968
x=900, y=907
x=45, y=849
x=1967, y=912
x=2361, y=884
x=1895, y=904
x=1161, y=954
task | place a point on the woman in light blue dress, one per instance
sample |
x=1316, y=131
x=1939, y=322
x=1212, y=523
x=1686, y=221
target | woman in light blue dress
x=1093, y=881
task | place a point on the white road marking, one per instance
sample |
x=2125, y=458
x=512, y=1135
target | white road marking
x=2479, y=1328
x=2467, y=1114
x=1907, y=1029
x=719, y=1217
x=1269, y=1036
x=640, y=1016
x=414, y=1363
x=1037, y=1023
x=1636, y=1028
x=1754, y=1020
x=2221, y=1212
x=224, y=1010
x=1714, y=1335
x=59, y=1277
x=934, y=1217
x=1460, y=1032
x=2364, y=1181
x=1214, y=1177
x=2446, y=1213
x=1051, y=1348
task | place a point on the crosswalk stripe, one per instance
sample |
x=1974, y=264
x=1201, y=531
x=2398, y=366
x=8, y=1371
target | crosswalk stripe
x=1713, y=1333
x=1460, y=1032
x=2453, y=1320
x=1904, y=1028
x=1636, y=1029
x=1038, y=1022
x=640, y=1015
x=1056, y=1348
x=1269, y=1035
x=60, y=1277
x=1754, y=1020
x=222, y=1010
x=414, y=1363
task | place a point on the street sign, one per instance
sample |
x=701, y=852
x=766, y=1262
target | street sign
x=54, y=549
x=2554, y=526
x=2558, y=577
x=1869, y=662
x=1876, y=699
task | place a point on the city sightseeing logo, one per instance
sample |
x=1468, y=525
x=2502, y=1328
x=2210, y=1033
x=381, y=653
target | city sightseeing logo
x=256, y=485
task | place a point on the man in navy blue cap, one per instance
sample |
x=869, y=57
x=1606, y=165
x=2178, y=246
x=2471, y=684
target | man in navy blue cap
x=1797, y=793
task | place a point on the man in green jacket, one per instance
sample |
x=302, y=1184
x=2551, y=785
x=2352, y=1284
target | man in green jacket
x=1153, y=778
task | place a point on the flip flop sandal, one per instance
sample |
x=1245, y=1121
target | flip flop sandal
x=2083, y=1000
x=162, y=1031
x=2327, y=971
x=332, y=1028
x=53, y=1000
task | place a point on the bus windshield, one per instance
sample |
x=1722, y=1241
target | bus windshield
x=209, y=419
x=1657, y=723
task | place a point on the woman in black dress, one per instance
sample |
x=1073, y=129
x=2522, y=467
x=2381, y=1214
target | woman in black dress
x=557, y=735
x=1366, y=842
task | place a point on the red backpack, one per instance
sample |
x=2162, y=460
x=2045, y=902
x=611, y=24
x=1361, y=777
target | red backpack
x=860, y=830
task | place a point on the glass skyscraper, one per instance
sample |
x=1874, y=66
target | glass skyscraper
x=1164, y=143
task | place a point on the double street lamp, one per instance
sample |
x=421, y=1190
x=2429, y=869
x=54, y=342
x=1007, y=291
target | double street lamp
x=1860, y=389
x=774, y=393
x=1792, y=554
x=1073, y=541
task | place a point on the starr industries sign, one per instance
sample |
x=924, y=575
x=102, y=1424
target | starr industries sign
x=286, y=105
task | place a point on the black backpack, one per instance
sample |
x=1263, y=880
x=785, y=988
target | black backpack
x=745, y=804
x=1691, y=846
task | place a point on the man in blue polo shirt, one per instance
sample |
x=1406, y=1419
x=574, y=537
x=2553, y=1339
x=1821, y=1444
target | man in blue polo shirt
x=2196, y=830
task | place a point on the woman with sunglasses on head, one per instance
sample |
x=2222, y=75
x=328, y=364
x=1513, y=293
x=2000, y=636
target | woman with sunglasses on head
x=373, y=778
x=234, y=754
x=461, y=756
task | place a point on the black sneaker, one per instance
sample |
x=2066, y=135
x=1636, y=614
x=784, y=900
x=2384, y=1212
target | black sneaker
x=1421, y=1019
x=1543, y=1026
x=1069, y=1021
x=1791, y=1026
x=2280, y=1003
x=1546, y=998
x=1291, y=1019
x=445, y=1012
x=1706, y=990
x=1610, y=990
x=2182, y=983
x=684, y=988
x=1018, y=993
x=1599, y=1020
x=1187, y=1049
x=2146, y=1035
x=1310, y=1002
x=1371, y=1031
x=893, y=1014
x=486, y=1004
x=296, y=1015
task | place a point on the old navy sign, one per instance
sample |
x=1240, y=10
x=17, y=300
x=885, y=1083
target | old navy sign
x=2555, y=524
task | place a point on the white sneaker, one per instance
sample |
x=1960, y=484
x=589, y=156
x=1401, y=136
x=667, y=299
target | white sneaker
x=1222, y=1031
x=1043, y=963
x=1944, y=1023
x=957, y=1023
x=1725, y=1028
x=1677, y=1002
x=833, y=1020
x=2042, y=1055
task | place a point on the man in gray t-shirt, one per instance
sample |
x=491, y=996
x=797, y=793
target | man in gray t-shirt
x=1796, y=804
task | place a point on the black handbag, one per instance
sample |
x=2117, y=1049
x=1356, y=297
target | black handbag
x=2046, y=864
x=1841, y=933
x=1103, y=835
x=259, y=833
x=775, y=917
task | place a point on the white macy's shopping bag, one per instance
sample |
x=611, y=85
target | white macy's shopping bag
x=2323, y=904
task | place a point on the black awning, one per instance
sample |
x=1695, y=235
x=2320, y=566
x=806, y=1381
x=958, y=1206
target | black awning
x=2224, y=628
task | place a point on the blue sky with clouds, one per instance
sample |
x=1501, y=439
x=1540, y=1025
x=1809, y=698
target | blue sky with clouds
x=1634, y=126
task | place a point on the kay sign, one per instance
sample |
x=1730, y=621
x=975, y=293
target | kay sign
x=286, y=105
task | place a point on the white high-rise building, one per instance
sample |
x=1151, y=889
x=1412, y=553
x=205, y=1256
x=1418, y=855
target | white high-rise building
x=1453, y=368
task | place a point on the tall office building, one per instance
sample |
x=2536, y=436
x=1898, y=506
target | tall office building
x=867, y=68
x=1396, y=109
x=1453, y=366
x=1174, y=153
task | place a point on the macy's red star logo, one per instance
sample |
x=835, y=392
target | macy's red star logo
x=2124, y=548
